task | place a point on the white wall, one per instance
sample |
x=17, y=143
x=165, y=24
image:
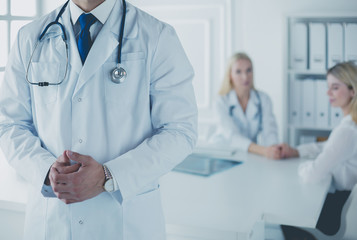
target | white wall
x=259, y=28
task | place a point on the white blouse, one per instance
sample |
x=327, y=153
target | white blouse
x=337, y=157
x=238, y=129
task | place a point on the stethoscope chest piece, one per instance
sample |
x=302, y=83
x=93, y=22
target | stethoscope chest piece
x=118, y=75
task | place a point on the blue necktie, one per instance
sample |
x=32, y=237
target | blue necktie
x=84, y=40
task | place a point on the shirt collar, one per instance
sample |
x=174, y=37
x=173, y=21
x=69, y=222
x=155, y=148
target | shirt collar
x=348, y=117
x=233, y=99
x=101, y=12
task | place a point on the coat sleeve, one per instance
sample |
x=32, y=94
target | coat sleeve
x=173, y=118
x=18, y=137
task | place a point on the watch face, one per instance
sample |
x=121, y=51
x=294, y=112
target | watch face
x=109, y=185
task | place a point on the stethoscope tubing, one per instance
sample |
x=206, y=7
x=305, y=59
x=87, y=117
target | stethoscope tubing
x=121, y=33
x=260, y=112
x=64, y=37
x=56, y=22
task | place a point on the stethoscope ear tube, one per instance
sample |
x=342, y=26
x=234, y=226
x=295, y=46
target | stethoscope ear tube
x=56, y=22
x=48, y=26
x=40, y=38
x=45, y=84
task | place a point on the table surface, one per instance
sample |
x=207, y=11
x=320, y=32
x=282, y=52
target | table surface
x=235, y=199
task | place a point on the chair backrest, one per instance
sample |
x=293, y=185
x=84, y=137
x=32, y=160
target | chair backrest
x=349, y=217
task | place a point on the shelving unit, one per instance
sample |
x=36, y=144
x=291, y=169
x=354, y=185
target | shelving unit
x=315, y=43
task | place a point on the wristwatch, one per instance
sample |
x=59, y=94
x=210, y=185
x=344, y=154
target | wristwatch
x=108, y=182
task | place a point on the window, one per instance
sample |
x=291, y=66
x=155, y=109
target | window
x=13, y=15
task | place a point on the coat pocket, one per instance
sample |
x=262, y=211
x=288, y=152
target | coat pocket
x=44, y=72
x=135, y=82
x=143, y=217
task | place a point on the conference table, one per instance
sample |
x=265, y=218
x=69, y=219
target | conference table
x=237, y=202
x=228, y=205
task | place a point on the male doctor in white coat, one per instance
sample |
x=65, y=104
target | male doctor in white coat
x=93, y=150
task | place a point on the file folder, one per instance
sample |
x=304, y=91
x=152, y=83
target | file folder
x=295, y=101
x=351, y=42
x=299, y=46
x=322, y=104
x=334, y=44
x=308, y=102
x=317, y=41
x=336, y=116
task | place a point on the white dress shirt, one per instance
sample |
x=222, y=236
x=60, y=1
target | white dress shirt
x=338, y=157
x=238, y=129
x=101, y=13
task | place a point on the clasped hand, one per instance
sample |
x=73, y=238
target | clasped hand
x=280, y=151
x=78, y=182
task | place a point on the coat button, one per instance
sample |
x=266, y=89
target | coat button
x=79, y=99
x=80, y=140
x=80, y=222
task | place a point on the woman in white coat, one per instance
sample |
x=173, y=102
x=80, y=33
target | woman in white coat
x=337, y=157
x=126, y=133
x=246, y=119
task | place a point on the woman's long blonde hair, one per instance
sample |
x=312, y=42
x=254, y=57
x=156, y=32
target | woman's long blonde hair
x=346, y=72
x=227, y=86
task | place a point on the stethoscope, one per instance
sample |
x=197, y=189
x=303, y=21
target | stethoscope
x=118, y=74
x=260, y=112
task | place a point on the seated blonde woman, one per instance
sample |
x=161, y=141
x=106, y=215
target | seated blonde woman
x=246, y=119
x=337, y=157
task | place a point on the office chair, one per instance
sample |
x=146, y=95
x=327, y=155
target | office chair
x=348, y=229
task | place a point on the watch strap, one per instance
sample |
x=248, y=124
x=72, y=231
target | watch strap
x=107, y=173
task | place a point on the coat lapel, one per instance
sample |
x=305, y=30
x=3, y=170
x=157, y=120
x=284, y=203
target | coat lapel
x=106, y=42
x=74, y=58
x=252, y=111
x=238, y=114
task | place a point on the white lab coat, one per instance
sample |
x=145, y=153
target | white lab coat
x=141, y=129
x=238, y=129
